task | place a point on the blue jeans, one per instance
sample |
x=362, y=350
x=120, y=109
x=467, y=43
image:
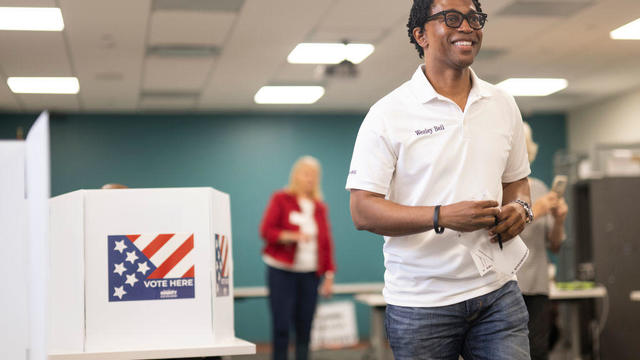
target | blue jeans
x=292, y=300
x=488, y=327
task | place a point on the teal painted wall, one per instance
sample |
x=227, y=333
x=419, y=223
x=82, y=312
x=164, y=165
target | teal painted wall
x=9, y=124
x=550, y=132
x=246, y=155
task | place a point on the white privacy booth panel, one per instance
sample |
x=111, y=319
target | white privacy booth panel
x=24, y=194
x=66, y=283
x=150, y=272
x=13, y=234
x=222, y=274
x=37, y=193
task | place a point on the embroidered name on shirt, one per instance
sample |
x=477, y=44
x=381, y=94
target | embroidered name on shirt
x=353, y=172
x=430, y=131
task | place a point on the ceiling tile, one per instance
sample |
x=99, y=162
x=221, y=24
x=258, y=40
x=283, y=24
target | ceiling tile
x=34, y=53
x=168, y=101
x=257, y=47
x=176, y=74
x=189, y=27
x=29, y=3
x=375, y=19
x=298, y=74
x=354, y=35
x=107, y=44
x=545, y=8
x=364, y=14
x=8, y=100
x=39, y=102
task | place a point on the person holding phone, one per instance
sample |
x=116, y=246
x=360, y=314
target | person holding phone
x=545, y=232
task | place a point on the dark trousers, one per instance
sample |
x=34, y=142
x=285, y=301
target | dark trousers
x=292, y=300
x=539, y=308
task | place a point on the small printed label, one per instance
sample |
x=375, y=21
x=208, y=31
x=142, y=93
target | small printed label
x=429, y=131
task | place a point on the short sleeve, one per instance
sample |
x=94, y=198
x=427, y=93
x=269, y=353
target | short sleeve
x=518, y=160
x=374, y=160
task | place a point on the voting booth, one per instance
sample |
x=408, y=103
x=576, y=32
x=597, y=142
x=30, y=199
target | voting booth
x=24, y=193
x=140, y=269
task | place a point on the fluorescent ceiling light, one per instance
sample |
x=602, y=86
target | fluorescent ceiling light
x=532, y=86
x=288, y=94
x=329, y=53
x=630, y=31
x=31, y=19
x=44, y=85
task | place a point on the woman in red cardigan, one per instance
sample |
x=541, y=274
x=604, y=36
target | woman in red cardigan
x=298, y=252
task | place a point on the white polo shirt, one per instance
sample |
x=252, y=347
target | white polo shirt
x=418, y=148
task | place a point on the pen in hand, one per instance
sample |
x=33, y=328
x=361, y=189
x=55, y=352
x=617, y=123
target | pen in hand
x=498, y=236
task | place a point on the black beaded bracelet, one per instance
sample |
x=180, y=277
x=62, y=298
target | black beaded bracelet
x=436, y=214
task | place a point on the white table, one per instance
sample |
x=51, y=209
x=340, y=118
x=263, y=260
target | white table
x=226, y=348
x=376, y=328
x=635, y=295
x=378, y=305
x=571, y=296
x=352, y=288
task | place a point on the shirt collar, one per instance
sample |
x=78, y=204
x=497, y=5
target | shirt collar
x=424, y=91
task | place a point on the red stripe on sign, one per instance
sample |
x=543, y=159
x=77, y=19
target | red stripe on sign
x=226, y=252
x=173, y=260
x=133, y=238
x=156, y=244
x=190, y=273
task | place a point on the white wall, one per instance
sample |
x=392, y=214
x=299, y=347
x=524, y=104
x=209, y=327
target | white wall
x=615, y=120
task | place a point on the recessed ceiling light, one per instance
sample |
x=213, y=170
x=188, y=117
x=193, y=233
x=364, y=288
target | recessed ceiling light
x=31, y=19
x=329, y=53
x=630, y=31
x=532, y=86
x=44, y=85
x=288, y=94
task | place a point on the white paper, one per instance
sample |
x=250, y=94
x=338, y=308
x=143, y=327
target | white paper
x=510, y=259
x=488, y=256
x=334, y=325
x=484, y=263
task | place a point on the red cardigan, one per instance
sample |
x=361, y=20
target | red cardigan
x=276, y=219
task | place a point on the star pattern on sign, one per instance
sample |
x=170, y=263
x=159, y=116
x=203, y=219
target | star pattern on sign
x=131, y=256
x=119, y=291
x=120, y=246
x=143, y=268
x=120, y=268
x=131, y=279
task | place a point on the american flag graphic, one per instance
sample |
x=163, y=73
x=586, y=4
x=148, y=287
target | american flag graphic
x=151, y=267
x=222, y=265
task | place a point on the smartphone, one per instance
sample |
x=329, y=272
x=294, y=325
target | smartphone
x=559, y=185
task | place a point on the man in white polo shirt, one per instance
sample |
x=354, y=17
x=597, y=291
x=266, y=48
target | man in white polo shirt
x=438, y=164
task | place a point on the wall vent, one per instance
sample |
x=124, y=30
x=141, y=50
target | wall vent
x=189, y=51
x=198, y=5
x=557, y=8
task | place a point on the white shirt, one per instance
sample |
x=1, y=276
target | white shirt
x=306, y=257
x=418, y=148
x=533, y=277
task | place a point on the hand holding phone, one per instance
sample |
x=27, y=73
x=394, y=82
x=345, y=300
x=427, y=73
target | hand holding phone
x=559, y=185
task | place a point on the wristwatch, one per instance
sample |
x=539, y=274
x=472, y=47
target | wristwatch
x=527, y=210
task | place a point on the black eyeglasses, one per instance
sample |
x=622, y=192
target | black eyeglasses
x=454, y=18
